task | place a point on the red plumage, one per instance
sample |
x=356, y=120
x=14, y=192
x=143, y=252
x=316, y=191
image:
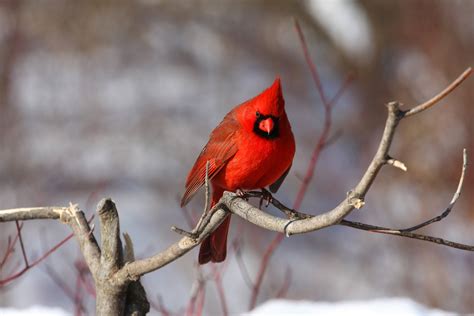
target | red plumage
x=252, y=148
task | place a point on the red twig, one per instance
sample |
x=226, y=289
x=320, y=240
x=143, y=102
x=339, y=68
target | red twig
x=263, y=268
x=23, y=252
x=160, y=307
x=10, y=247
x=312, y=66
x=35, y=262
x=78, y=296
x=28, y=265
x=195, y=292
x=197, y=296
x=200, y=301
x=286, y=284
x=66, y=289
x=242, y=266
x=84, y=275
x=320, y=145
x=347, y=81
x=216, y=273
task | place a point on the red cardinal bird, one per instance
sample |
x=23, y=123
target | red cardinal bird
x=252, y=148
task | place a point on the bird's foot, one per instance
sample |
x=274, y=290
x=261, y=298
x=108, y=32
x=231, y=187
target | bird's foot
x=266, y=196
x=242, y=194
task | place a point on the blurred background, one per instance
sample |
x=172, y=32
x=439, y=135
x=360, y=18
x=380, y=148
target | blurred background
x=117, y=98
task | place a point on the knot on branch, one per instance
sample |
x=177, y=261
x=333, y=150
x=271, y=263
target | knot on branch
x=356, y=200
x=394, y=108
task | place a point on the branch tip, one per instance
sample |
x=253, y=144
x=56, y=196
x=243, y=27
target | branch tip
x=105, y=205
x=397, y=164
x=441, y=95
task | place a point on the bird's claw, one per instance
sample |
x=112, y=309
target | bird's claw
x=266, y=196
x=242, y=194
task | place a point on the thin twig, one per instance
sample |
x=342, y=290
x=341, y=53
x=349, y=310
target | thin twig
x=187, y=216
x=451, y=204
x=200, y=301
x=22, y=245
x=220, y=289
x=10, y=247
x=63, y=286
x=395, y=232
x=286, y=284
x=207, y=202
x=16, y=275
x=263, y=268
x=312, y=66
x=78, y=296
x=159, y=306
x=35, y=262
x=240, y=262
x=440, y=95
x=196, y=289
x=347, y=81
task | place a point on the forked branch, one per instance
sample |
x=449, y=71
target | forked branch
x=112, y=275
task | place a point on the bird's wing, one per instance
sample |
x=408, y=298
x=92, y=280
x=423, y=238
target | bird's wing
x=276, y=185
x=218, y=150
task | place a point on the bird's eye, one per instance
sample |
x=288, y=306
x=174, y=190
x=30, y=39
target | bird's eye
x=257, y=114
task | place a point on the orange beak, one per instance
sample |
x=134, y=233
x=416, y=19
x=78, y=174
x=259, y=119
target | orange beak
x=267, y=125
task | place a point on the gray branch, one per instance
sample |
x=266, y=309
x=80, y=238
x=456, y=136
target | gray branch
x=115, y=280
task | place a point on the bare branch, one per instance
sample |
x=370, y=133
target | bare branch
x=133, y=270
x=113, y=277
x=68, y=292
x=76, y=219
x=23, y=252
x=216, y=274
x=286, y=284
x=10, y=246
x=347, y=81
x=312, y=66
x=440, y=95
x=29, y=213
x=240, y=261
x=206, y=186
x=389, y=231
x=111, y=247
x=35, y=262
x=451, y=204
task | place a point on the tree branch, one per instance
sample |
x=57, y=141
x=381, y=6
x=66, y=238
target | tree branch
x=30, y=213
x=111, y=255
x=453, y=200
x=440, y=95
x=401, y=233
x=119, y=277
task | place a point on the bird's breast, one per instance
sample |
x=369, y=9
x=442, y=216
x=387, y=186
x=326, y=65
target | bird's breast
x=258, y=163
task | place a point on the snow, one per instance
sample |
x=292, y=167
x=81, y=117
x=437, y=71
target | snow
x=33, y=311
x=383, y=306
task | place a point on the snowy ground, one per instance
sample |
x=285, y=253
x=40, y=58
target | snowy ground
x=385, y=306
x=33, y=311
